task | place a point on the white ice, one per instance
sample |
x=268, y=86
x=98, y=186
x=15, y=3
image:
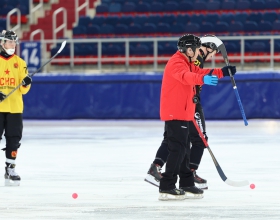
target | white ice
x=105, y=162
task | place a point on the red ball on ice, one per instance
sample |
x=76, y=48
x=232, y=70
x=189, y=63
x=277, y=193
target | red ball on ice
x=75, y=195
x=252, y=186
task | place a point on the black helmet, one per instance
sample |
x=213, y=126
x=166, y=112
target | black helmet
x=208, y=43
x=9, y=35
x=188, y=40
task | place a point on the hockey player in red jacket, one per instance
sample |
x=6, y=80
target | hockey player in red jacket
x=177, y=108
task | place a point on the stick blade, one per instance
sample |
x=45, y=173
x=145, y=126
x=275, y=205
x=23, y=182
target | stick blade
x=62, y=46
x=237, y=183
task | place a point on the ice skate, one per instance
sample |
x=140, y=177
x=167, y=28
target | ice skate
x=199, y=182
x=154, y=175
x=192, y=192
x=11, y=177
x=173, y=194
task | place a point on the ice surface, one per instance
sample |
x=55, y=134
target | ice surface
x=105, y=162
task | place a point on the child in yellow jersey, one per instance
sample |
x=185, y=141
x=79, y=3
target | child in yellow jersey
x=13, y=71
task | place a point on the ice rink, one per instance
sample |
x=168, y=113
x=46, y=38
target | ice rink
x=105, y=163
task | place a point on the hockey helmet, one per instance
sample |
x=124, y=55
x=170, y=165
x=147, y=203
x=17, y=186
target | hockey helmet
x=188, y=41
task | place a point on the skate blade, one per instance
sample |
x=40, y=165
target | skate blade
x=166, y=197
x=193, y=196
x=150, y=179
x=201, y=185
x=9, y=182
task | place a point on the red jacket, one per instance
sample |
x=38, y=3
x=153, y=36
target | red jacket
x=178, y=88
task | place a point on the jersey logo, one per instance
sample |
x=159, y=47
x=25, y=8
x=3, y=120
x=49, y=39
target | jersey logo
x=7, y=72
x=197, y=63
x=16, y=65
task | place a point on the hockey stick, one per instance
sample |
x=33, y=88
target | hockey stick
x=222, y=48
x=218, y=167
x=60, y=49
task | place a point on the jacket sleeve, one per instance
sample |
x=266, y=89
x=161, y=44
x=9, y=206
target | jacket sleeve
x=23, y=73
x=181, y=71
x=217, y=72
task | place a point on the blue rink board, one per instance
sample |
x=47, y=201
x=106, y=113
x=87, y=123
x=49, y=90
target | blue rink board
x=136, y=96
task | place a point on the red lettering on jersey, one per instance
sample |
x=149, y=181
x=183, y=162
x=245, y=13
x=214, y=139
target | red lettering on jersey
x=2, y=81
x=12, y=82
x=7, y=71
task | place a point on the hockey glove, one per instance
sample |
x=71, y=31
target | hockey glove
x=26, y=81
x=225, y=70
x=2, y=96
x=210, y=80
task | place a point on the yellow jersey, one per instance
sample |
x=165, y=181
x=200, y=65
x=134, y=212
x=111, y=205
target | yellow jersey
x=12, y=71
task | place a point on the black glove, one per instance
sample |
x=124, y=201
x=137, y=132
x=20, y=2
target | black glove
x=205, y=136
x=2, y=96
x=26, y=81
x=226, y=68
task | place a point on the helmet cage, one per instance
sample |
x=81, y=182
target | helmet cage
x=9, y=35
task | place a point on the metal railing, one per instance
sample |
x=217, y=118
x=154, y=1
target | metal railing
x=63, y=26
x=8, y=22
x=126, y=59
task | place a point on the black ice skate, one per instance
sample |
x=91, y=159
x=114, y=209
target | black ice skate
x=173, y=194
x=199, y=182
x=11, y=177
x=192, y=192
x=154, y=175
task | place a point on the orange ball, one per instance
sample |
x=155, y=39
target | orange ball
x=74, y=195
x=252, y=186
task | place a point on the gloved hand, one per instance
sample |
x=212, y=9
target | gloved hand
x=225, y=70
x=27, y=80
x=2, y=96
x=210, y=80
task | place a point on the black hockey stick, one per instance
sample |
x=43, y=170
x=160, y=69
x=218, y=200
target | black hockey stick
x=218, y=167
x=60, y=49
x=222, y=48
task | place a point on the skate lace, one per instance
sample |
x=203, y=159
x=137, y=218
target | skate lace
x=12, y=172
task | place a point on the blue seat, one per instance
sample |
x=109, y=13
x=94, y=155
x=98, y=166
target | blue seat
x=149, y=28
x=114, y=7
x=112, y=50
x=121, y=29
x=154, y=19
x=3, y=23
x=112, y=19
x=134, y=29
x=276, y=25
x=98, y=20
x=235, y=27
x=250, y=26
x=103, y=8
x=185, y=6
x=143, y=7
x=183, y=18
x=242, y=17
x=140, y=50
x=140, y=19
x=214, y=5
x=228, y=5
x=258, y=5
x=171, y=6
x=192, y=27
x=81, y=49
x=212, y=18
x=221, y=26
x=206, y=27
x=177, y=28
x=243, y=5
x=227, y=17
x=106, y=29
x=197, y=18
x=93, y=29
x=5, y=10
x=255, y=16
x=168, y=18
x=167, y=48
x=156, y=7
x=128, y=7
x=126, y=19
x=270, y=16
x=79, y=30
x=163, y=28
x=265, y=26
x=258, y=47
x=231, y=47
x=272, y=4
x=84, y=20
x=199, y=5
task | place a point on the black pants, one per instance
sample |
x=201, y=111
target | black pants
x=178, y=159
x=12, y=125
x=197, y=148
